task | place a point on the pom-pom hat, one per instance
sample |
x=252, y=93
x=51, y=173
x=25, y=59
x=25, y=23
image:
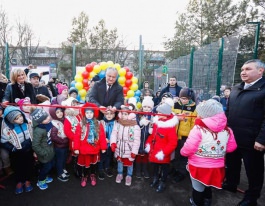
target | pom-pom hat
x=61, y=87
x=166, y=107
x=209, y=108
x=20, y=102
x=148, y=101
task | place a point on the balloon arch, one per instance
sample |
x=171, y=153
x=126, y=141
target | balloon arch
x=125, y=78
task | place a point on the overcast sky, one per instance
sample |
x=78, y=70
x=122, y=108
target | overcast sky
x=51, y=19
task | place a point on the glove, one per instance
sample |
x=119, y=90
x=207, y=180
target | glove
x=160, y=155
x=14, y=149
x=133, y=155
x=147, y=148
x=113, y=147
x=76, y=152
x=144, y=122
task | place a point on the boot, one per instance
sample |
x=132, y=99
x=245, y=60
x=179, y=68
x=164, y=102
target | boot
x=75, y=166
x=197, y=198
x=207, y=202
x=145, y=169
x=161, y=187
x=138, y=170
x=155, y=182
x=207, y=195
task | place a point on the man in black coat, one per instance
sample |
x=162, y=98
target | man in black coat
x=107, y=92
x=246, y=117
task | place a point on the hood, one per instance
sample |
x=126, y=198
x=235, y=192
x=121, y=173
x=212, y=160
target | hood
x=216, y=123
x=170, y=122
x=10, y=109
x=52, y=112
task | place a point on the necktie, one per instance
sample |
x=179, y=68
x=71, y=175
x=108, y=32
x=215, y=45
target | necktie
x=21, y=87
x=107, y=92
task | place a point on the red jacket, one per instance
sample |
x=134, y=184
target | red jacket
x=163, y=138
x=81, y=144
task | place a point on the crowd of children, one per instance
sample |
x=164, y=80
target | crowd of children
x=160, y=139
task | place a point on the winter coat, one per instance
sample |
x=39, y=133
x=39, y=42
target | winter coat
x=203, y=148
x=163, y=138
x=81, y=143
x=145, y=132
x=127, y=140
x=166, y=89
x=246, y=114
x=184, y=126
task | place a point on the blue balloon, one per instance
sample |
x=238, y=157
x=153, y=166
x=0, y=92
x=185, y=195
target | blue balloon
x=78, y=98
x=137, y=98
x=137, y=93
x=73, y=83
x=102, y=74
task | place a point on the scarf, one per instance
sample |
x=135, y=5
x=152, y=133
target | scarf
x=92, y=135
x=48, y=128
x=127, y=122
x=108, y=128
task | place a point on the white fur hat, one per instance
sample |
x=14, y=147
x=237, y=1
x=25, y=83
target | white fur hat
x=68, y=101
x=148, y=101
x=166, y=107
x=132, y=100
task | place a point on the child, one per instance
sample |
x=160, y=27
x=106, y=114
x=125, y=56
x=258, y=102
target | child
x=60, y=142
x=141, y=160
x=17, y=139
x=125, y=142
x=73, y=92
x=42, y=145
x=22, y=103
x=187, y=107
x=62, y=94
x=89, y=144
x=206, y=146
x=108, y=123
x=161, y=143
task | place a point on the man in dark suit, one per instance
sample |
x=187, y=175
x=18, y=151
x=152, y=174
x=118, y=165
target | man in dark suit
x=246, y=117
x=107, y=92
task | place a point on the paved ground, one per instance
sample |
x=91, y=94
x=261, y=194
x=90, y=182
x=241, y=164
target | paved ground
x=108, y=192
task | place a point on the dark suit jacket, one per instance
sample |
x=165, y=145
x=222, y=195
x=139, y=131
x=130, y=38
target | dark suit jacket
x=98, y=95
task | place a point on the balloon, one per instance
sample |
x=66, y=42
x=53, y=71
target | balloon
x=139, y=105
x=102, y=74
x=103, y=66
x=110, y=63
x=121, y=80
x=128, y=75
x=93, y=64
x=130, y=93
x=96, y=69
x=125, y=90
x=79, y=72
x=137, y=98
x=78, y=98
x=126, y=69
x=92, y=74
x=134, y=87
x=137, y=93
x=82, y=92
x=85, y=74
x=85, y=82
x=117, y=66
x=72, y=83
x=122, y=72
x=86, y=88
x=83, y=99
x=78, y=78
x=135, y=80
x=89, y=67
x=79, y=86
x=128, y=82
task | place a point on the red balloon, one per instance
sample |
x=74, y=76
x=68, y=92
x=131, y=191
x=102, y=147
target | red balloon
x=128, y=83
x=85, y=74
x=126, y=69
x=93, y=63
x=89, y=67
x=85, y=82
x=128, y=75
x=86, y=88
x=125, y=90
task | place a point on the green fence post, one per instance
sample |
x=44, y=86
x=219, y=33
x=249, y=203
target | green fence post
x=73, y=62
x=219, y=71
x=7, y=61
x=191, y=67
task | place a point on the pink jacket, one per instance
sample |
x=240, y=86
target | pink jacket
x=205, y=151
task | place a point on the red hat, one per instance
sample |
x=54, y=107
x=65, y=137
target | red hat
x=90, y=106
x=20, y=102
x=61, y=87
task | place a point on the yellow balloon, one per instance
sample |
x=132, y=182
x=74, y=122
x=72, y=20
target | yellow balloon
x=139, y=105
x=110, y=63
x=78, y=86
x=79, y=72
x=78, y=78
x=130, y=93
x=117, y=66
x=122, y=72
x=96, y=69
x=92, y=74
x=82, y=92
x=83, y=98
x=135, y=80
x=103, y=66
x=134, y=87
x=121, y=80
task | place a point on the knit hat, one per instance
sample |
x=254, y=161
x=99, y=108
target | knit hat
x=39, y=115
x=61, y=87
x=186, y=92
x=11, y=116
x=95, y=78
x=216, y=97
x=68, y=101
x=72, y=90
x=148, y=101
x=166, y=107
x=167, y=95
x=20, y=102
x=133, y=101
x=209, y=108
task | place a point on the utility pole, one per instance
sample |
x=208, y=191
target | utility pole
x=7, y=61
x=255, y=55
x=73, y=62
